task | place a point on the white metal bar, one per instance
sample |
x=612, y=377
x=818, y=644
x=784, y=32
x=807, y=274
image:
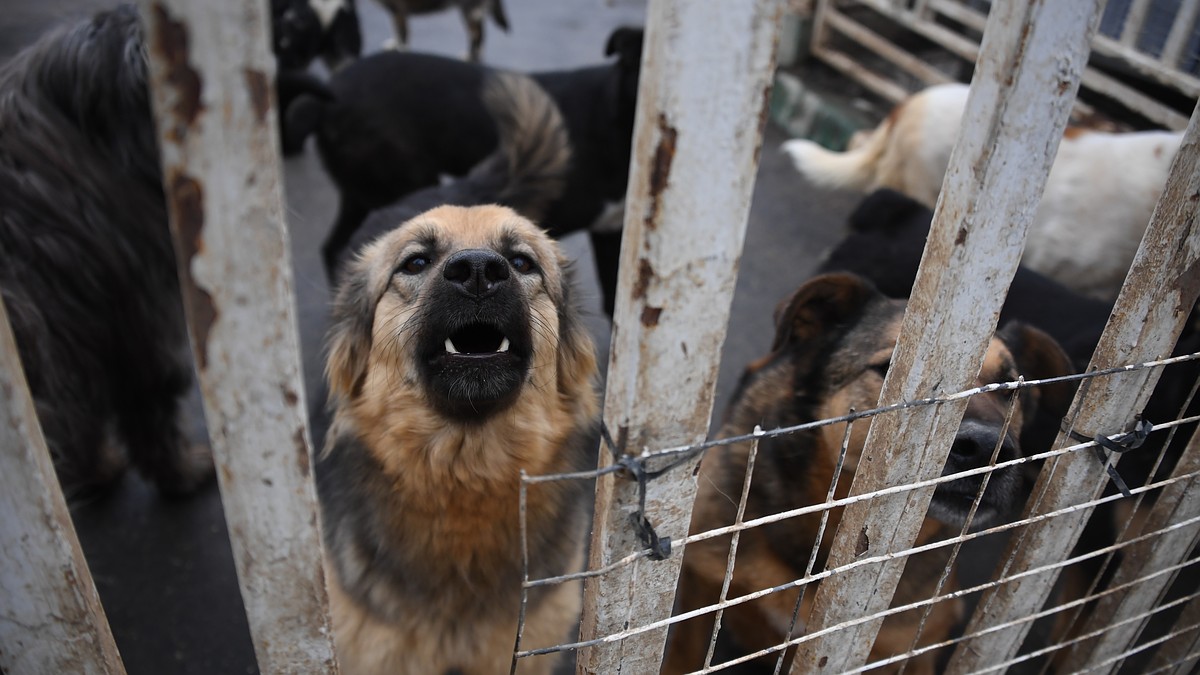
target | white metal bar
x=1135, y=22
x=1025, y=81
x=881, y=46
x=1182, y=29
x=51, y=620
x=211, y=80
x=1148, y=66
x=1135, y=100
x=1146, y=320
x=683, y=239
x=1177, y=502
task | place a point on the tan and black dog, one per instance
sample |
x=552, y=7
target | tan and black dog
x=833, y=344
x=456, y=360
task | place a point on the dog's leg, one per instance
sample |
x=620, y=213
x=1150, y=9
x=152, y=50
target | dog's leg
x=606, y=249
x=473, y=18
x=148, y=412
x=400, y=22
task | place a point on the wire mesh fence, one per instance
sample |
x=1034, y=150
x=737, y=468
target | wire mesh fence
x=1140, y=512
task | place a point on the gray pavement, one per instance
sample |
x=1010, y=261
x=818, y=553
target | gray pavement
x=163, y=568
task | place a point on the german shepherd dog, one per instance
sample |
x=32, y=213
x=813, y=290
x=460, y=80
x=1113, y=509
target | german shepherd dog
x=455, y=361
x=88, y=269
x=833, y=344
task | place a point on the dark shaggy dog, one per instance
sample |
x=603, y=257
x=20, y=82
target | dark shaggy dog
x=455, y=361
x=398, y=121
x=88, y=272
x=833, y=344
x=473, y=13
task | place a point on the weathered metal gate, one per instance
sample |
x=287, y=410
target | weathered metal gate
x=694, y=160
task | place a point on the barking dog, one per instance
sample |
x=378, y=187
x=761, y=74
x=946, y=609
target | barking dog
x=1098, y=199
x=397, y=121
x=88, y=273
x=834, y=340
x=473, y=12
x=456, y=360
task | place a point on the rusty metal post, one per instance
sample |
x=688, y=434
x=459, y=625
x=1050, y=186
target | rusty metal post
x=212, y=83
x=1142, y=565
x=1025, y=81
x=1149, y=314
x=51, y=620
x=705, y=82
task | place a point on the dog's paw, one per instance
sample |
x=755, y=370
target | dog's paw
x=392, y=44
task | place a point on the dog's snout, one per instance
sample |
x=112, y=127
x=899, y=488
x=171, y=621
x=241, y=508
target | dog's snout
x=477, y=272
x=975, y=442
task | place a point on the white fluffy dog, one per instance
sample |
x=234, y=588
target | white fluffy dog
x=1098, y=199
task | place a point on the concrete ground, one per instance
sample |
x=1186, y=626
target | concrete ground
x=164, y=568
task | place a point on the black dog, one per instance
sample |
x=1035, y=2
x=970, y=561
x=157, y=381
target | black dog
x=398, y=121
x=88, y=273
x=528, y=172
x=302, y=32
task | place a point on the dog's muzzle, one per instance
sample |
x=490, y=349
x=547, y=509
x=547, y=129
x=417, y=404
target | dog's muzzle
x=476, y=340
x=973, y=447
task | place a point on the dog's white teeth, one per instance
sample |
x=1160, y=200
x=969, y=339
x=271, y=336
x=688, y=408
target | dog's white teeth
x=450, y=346
x=503, y=345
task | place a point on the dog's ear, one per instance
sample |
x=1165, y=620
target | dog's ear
x=348, y=345
x=819, y=306
x=1040, y=357
x=626, y=43
x=888, y=211
x=576, y=353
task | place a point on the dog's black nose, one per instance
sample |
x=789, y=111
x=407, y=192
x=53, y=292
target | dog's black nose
x=974, y=444
x=478, y=272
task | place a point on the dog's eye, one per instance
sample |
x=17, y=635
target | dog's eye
x=414, y=264
x=522, y=264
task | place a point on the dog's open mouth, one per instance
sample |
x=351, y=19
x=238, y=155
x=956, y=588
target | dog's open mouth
x=476, y=341
x=477, y=368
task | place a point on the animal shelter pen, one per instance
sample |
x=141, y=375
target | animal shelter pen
x=695, y=153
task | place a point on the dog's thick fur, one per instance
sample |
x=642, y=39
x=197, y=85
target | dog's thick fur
x=473, y=13
x=88, y=274
x=456, y=360
x=398, y=121
x=1098, y=199
x=834, y=340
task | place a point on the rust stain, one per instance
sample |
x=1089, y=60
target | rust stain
x=660, y=169
x=650, y=316
x=172, y=43
x=823, y=662
x=644, y=276
x=962, y=237
x=259, y=88
x=186, y=202
x=289, y=396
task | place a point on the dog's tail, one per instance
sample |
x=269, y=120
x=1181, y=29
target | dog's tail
x=302, y=97
x=529, y=169
x=853, y=169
